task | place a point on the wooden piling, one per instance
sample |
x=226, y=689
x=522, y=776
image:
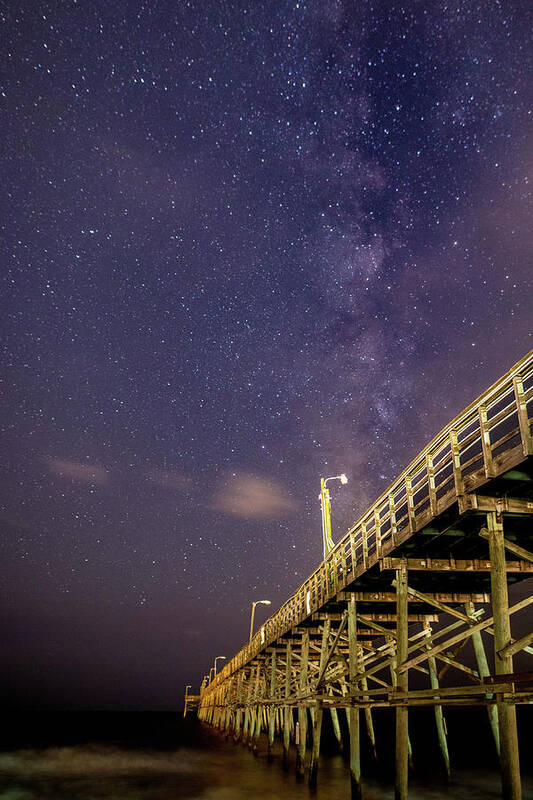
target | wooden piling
x=509, y=759
x=272, y=708
x=336, y=727
x=287, y=710
x=302, y=710
x=439, y=716
x=318, y=712
x=353, y=710
x=402, y=729
x=483, y=670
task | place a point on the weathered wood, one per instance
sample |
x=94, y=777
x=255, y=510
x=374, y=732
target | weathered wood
x=456, y=463
x=272, y=709
x=483, y=503
x=324, y=659
x=336, y=727
x=511, y=787
x=439, y=717
x=368, y=711
x=523, y=420
x=402, y=733
x=483, y=669
x=485, y=442
x=452, y=565
x=302, y=711
x=430, y=470
x=353, y=712
x=479, y=626
x=287, y=711
x=521, y=552
x=515, y=646
x=390, y=597
x=317, y=717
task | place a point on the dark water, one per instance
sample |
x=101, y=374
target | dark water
x=134, y=756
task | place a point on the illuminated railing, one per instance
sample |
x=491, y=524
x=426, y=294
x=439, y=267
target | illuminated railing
x=490, y=436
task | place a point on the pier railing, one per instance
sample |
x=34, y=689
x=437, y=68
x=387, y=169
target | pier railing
x=488, y=438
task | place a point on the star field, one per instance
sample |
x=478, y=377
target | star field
x=244, y=245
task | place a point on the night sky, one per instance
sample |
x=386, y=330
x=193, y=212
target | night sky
x=244, y=245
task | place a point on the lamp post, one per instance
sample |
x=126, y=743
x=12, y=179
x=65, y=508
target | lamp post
x=325, y=504
x=186, y=695
x=215, y=662
x=254, y=604
x=210, y=671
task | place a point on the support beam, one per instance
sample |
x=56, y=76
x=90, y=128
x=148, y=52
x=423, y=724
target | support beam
x=511, y=787
x=353, y=711
x=302, y=710
x=402, y=732
x=287, y=711
x=368, y=711
x=439, y=717
x=453, y=565
x=272, y=708
x=317, y=716
x=336, y=727
x=521, y=552
x=484, y=672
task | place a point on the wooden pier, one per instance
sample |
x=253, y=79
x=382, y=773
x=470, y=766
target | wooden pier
x=386, y=616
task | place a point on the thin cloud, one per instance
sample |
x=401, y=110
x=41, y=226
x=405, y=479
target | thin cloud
x=76, y=471
x=252, y=497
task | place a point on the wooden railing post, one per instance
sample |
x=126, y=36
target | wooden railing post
x=377, y=526
x=410, y=503
x=364, y=536
x=485, y=442
x=392, y=518
x=523, y=419
x=456, y=464
x=432, y=494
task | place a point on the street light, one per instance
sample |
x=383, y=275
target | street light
x=210, y=671
x=254, y=604
x=325, y=504
x=215, y=662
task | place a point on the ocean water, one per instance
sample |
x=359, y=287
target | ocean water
x=129, y=756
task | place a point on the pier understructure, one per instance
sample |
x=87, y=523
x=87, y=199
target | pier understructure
x=410, y=608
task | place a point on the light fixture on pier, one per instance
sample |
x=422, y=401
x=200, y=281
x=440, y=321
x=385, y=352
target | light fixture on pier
x=325, y=504
x=254, y=604
x=215, y=662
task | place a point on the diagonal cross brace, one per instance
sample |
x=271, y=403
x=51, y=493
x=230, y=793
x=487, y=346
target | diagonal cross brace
x=340, y=629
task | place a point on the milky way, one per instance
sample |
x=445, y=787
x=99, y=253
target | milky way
x=245, y=245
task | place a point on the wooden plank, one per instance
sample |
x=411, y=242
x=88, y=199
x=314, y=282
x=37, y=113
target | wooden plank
x=483, y=504
x=452, y=565
x=443, y=597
